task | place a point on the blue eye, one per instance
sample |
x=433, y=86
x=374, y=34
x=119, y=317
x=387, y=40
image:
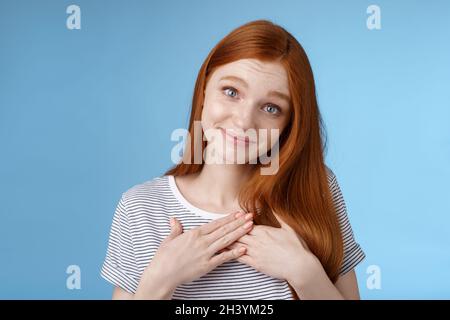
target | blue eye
x=230, y=89
x=273, y=109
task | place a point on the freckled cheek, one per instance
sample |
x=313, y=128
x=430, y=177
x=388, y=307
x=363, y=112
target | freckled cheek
x=214, y=112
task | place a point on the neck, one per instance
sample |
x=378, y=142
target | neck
x=220, y=183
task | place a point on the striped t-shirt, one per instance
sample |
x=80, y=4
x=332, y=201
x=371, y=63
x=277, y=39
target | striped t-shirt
x=141, y=222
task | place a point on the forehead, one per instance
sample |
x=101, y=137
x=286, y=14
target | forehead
x=258, y=74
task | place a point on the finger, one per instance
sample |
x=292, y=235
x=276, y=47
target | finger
x=215, y=224
x=226, y=236
x=175, y=229
x=235, y=245
x=246, y=239
x=226, y=256
x=245, y=259
x=227, y=240
x=229, y=228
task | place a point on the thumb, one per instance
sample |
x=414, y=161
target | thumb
x=175, y=228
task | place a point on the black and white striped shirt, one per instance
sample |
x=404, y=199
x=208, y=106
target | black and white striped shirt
x=141, y=222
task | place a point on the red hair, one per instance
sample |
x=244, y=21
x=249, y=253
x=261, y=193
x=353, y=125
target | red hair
x=299, y=191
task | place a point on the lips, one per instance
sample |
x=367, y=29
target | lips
x=244, y=139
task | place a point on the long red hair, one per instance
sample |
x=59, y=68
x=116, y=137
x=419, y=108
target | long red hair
x=299, y=191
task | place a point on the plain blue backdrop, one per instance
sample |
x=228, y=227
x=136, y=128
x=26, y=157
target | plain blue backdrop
x=86, y=114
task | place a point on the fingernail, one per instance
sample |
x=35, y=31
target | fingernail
x=248, y=225
x=239, y=214
x=248, y=216
x=241, y=250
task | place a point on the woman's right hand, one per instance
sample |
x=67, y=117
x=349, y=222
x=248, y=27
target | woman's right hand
x=184, y=257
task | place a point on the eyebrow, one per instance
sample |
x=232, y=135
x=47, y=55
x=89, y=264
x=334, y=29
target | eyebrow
x=245, y=84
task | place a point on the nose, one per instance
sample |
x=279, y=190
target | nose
x=243, y=117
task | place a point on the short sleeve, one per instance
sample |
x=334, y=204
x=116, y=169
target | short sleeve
x=119, y=266
x=353, y=253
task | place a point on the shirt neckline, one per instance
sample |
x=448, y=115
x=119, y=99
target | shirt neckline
x=179, y=196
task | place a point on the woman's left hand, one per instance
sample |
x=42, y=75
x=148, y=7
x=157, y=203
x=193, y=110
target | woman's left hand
x=278, y=252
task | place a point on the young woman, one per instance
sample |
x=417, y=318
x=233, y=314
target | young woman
x=214, y=230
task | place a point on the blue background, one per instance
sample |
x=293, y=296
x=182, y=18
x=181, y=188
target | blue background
x=86, y=114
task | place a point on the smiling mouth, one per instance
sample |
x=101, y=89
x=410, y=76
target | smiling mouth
x=244, y=139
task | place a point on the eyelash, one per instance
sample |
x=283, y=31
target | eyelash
x=270, y=104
